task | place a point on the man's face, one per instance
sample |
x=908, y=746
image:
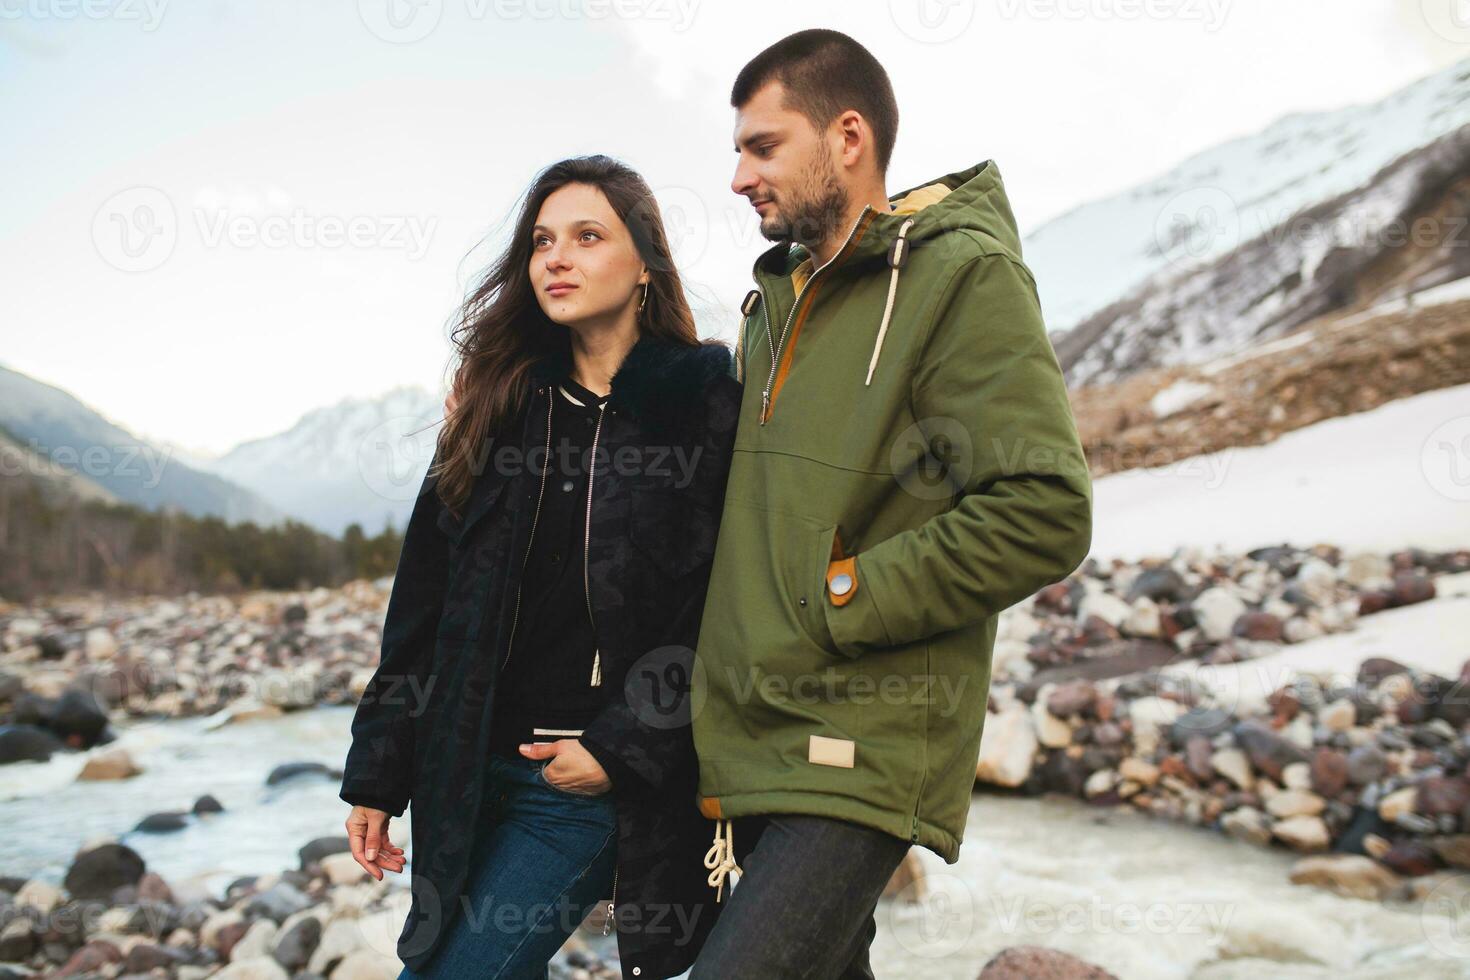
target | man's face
x=787, y=170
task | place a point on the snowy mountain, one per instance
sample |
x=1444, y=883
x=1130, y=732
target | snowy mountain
x=358, y=461
x=1402, y=232
x=62, y=437
x=1097, y=254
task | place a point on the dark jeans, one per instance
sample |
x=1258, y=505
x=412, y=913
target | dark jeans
x=805, y=905
x=545, y=859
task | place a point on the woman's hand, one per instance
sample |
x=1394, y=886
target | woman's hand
x=572, y=767
x=367, y=832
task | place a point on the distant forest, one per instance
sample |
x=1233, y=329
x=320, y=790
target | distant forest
x=50, y=546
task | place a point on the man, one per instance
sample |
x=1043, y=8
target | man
x=906, y=467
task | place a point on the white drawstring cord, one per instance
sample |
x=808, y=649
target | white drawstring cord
x=896, y=258
x=720, y=858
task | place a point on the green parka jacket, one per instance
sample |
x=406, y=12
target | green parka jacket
x=906, y=466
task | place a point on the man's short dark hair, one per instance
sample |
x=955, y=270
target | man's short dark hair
x=825, y=73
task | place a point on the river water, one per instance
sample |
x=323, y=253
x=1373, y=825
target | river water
x=1143, y=898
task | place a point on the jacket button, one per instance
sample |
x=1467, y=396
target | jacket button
x=841, y=584
x=637, y=970
x=567, y=485
x=802, y=600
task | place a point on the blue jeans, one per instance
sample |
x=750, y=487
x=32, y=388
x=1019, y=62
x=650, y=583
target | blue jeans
x=544, y=860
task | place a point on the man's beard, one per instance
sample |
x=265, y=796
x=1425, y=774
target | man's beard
x=811, y=212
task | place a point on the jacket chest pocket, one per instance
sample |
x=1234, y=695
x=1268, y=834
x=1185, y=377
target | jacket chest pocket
x=675, y=533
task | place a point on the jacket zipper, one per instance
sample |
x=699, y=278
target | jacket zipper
x=780, y=345
x=586, y=541
x=546, y=467
x=607, y=923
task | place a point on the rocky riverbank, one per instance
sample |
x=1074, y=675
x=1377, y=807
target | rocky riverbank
x=1366, y=766
x=71, y=666
x=1368, y=779
x=114, y=918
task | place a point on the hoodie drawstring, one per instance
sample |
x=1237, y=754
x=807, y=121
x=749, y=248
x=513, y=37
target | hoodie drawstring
x=720, y=858
x=898, y=254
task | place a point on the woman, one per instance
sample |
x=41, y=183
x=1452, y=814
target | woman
x=531, y=698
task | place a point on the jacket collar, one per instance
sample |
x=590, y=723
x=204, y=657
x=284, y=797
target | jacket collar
x=659, y=382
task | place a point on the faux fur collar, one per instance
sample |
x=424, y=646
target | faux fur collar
x=659, y=383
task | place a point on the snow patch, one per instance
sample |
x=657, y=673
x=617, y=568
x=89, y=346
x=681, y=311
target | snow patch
x=1178, y=396
x=1359, y=481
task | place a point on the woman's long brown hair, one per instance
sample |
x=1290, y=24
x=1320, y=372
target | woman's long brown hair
x=500, y=331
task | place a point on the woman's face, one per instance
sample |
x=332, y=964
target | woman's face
x=585, y=269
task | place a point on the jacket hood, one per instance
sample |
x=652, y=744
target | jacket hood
x=973, y=199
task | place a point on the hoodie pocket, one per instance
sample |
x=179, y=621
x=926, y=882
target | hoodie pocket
x=808, y=546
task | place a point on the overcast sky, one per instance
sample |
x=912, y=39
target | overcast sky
x=221, y=215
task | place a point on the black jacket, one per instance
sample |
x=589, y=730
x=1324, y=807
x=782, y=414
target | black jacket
x=420, y=730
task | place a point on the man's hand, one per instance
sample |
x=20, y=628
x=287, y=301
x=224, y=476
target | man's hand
x=367, y=832
x=572, y=768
